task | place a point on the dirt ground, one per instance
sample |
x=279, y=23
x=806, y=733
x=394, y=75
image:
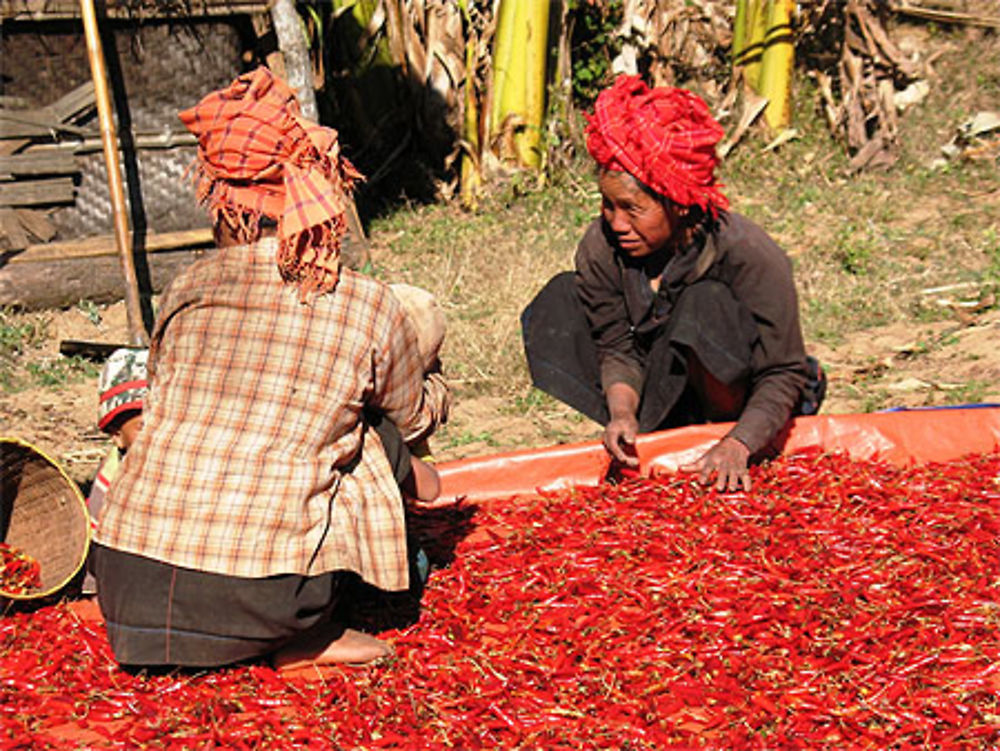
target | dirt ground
x=945, y=362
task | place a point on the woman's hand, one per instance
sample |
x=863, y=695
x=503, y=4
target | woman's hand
x=623, y=427
x=726, y=463
x=619, y=439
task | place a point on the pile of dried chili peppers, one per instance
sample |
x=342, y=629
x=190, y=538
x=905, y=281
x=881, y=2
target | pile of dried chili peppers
x=19, y=572
x=840, y=604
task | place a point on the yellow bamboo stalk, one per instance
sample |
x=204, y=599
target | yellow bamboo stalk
x=753, y=46
x=513, y=93
x=776, y=65
x=503, y=52
x=512, y=101
x=739, y=31
x=535, y=27
x=471, y=178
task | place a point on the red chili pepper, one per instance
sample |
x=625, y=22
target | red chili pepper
x=20, y=574
x=840, y=603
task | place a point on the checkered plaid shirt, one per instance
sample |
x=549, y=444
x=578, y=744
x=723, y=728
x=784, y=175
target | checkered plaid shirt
x=253, y=459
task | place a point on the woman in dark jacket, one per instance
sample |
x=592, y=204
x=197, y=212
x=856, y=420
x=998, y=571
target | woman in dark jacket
x=679, y=311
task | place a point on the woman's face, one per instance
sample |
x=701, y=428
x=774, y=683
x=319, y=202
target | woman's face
x=125, y=435
x=640, y=223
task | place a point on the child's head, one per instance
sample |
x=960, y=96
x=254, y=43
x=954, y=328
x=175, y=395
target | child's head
x=122, y=388
x=427, y=318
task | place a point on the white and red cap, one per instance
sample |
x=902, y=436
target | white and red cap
x=122, y=385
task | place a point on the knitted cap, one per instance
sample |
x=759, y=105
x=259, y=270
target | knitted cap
x=122, y=385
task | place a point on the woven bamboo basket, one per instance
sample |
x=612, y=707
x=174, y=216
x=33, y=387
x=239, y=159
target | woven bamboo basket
x=43, y=514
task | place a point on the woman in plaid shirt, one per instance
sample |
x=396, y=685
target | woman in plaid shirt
x=283, y=393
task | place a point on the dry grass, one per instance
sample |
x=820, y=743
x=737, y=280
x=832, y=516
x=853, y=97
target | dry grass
x=865, y=245
x=484, y=268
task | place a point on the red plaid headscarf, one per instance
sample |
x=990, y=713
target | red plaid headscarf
x=663, y=136
x=258, y=156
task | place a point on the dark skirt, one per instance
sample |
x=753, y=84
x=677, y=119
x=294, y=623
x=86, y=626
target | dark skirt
x=158, y=614
x=706, y=322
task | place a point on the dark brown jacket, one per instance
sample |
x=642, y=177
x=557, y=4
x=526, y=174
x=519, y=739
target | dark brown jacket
x=620, y=308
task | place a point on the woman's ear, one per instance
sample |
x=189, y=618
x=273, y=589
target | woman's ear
x=676, y=212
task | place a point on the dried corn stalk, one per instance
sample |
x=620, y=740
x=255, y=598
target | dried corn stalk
x=429, y=37
x=870, y=70
x=676, y=40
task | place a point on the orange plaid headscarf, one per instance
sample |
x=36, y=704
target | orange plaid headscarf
x=258, y=156
x=663, y=136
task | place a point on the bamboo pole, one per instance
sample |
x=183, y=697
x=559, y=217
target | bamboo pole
x=104, y=245
x=512, y=101
x=298, y=70
x=777, y=64
x=503, y=46
x=471, y=177
x=98, y=70
x=752, y=42
x=739, y=32
x=536, y=29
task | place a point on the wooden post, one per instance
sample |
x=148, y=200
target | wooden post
x=109, y=139
x=298, y=73
x=288, y=29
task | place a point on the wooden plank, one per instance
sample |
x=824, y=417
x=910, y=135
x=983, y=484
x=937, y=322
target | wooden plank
x=73, y=104
x=12, y=146
x=36, y=192
x=21, y=123
x=34, y=162
x=63, y=283
x=140, y=141
x=34, y=123
x=18, y=224
x=55, y=275
x=104, y=245
x=50, y=10
x=10, y=226
x=37, y=223
x=353, y=253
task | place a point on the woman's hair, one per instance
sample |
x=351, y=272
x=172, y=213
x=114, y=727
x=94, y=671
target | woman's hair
x=247, y=228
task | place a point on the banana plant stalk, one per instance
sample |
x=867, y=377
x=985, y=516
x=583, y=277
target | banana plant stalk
x=536, y=29
x=504, y=79
x=519, y=80
x=777, y=64
x=471, y=175
x=749, y=31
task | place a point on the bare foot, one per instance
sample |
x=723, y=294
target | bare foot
x=351, y=647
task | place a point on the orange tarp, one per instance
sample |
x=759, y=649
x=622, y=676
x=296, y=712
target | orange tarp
x=902, y=438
